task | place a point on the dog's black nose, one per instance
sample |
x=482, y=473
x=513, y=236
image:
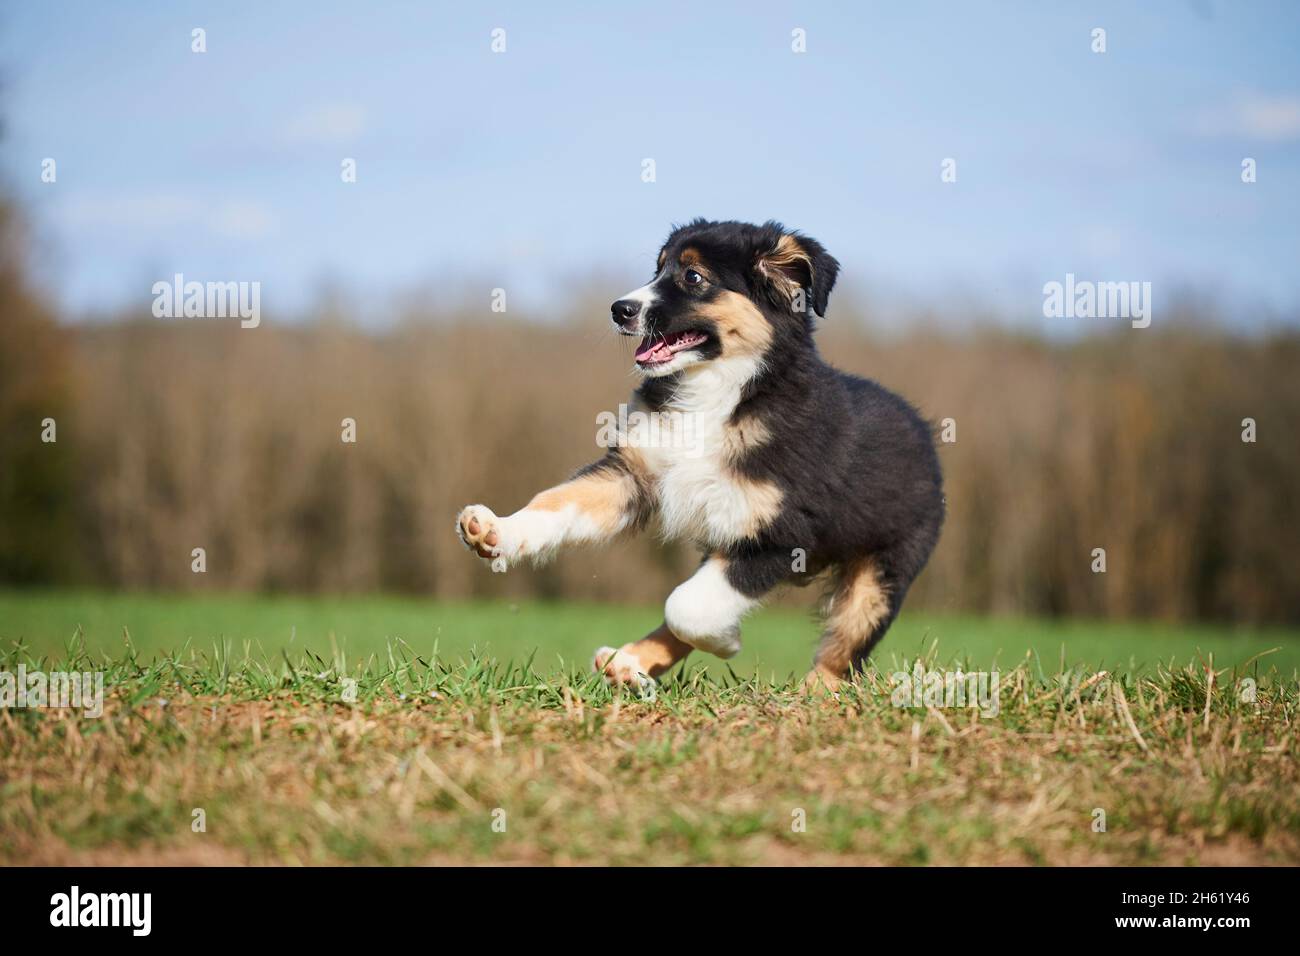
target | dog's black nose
x=625, y=311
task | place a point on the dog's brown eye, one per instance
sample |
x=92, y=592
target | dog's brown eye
x=692, y=277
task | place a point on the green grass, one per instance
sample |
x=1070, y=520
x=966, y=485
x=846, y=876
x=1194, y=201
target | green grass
x=235, y=706
x=778, y=642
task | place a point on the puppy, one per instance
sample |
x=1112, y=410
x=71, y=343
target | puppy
x=779, y=467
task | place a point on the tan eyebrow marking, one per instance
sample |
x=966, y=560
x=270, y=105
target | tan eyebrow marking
x=690, y=258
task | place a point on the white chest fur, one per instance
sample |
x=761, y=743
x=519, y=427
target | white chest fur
x=684, y=446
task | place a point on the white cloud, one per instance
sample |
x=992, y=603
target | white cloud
x=1275, y=118
x=147, y=212
x=1254, y=116
x=243, y=220
x=1102, y=241
x=160, y=212
x=335, y=124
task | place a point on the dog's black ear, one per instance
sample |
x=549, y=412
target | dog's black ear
x=798, y=272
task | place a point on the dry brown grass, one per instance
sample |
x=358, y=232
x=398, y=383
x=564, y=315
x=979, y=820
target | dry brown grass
x=704, y=774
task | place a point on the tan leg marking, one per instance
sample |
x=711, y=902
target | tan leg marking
x=653, y=655
x=603, y=497
x=593, y=507
x=859, y=605
x=820, y=681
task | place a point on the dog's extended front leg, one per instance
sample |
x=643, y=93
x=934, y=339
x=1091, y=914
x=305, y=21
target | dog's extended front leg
x=601, y=501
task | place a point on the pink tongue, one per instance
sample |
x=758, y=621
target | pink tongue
x=656, y=351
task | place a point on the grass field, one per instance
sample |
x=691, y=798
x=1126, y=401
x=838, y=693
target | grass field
x=477, y=735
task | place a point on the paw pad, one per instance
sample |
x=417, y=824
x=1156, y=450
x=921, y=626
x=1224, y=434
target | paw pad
x=479, y=530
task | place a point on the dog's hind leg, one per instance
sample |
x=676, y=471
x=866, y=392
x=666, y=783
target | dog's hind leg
x=860, y=610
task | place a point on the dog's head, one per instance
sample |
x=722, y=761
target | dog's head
x=726, y=290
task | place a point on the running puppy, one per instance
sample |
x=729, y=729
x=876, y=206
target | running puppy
x=776, y=465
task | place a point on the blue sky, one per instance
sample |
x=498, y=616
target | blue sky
x=523, y=169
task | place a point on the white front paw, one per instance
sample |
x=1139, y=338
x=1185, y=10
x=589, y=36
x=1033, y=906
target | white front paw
x=480, y=531
x=621, y=666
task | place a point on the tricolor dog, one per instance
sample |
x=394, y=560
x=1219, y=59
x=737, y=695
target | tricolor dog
x=792, y=470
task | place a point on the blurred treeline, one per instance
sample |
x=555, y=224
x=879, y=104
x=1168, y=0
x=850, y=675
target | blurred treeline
x=177, y=434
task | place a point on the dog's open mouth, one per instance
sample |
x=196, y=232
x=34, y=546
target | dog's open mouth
x=658, y=349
